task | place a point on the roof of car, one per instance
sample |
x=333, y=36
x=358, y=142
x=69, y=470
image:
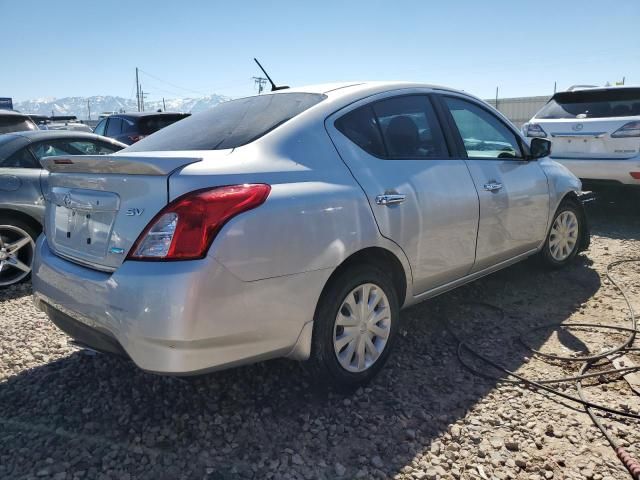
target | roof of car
x=327, y=88
x=12, y=113
x=345, y=93
x=39, y=135
x=147, y=114
x=582, y=88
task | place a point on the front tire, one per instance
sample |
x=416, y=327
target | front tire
x=355, y=328
x=564, y=237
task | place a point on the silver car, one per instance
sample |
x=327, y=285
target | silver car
x=295, y=224
x=22, y=181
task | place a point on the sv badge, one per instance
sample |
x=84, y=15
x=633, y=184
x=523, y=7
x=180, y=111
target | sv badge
x=134, y=212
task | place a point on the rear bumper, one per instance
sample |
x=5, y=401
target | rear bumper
x=83, y=334
x=177, y=318
x=608, y=170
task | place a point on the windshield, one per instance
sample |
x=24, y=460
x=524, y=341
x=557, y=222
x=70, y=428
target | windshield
x=592, y=104
x=16, y=123
x=230, y=124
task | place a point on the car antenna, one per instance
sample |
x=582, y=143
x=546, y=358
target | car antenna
x=274, y=87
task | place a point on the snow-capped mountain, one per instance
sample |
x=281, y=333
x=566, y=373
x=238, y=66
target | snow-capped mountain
x=78, y=105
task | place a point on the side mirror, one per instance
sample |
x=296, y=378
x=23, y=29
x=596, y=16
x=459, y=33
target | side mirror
x=539, y=148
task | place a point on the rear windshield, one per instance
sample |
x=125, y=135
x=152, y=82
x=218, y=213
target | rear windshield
x=592, y=104
x=16, y=123
x=230, y=124
x=149, y=125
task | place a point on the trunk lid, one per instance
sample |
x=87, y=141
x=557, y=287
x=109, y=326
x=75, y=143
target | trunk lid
x=589, y=138
x=97, y=206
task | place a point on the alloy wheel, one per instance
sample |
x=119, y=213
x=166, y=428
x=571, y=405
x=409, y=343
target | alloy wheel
x=16, y=254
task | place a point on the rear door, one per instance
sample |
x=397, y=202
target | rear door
x=514, y=193
x=423, y=200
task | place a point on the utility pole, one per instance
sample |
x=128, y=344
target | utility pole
x=89, y=108
x=138, y=90
x=164, y=106
x=497, y=98
x=260, y=82
x=142, y=95
x=554, y=87
x=623, y=79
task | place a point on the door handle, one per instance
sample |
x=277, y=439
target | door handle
x=492, y=186
x=390, y=199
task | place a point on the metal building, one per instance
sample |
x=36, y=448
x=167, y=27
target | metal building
x=519, y=110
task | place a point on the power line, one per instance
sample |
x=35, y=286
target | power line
x=199, y=92
x=259, y=82
x=157, y=87
x=173, y=84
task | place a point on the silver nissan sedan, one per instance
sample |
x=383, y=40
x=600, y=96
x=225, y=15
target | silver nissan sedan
x=295, y=224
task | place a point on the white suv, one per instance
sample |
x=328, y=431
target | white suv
x=595, y=133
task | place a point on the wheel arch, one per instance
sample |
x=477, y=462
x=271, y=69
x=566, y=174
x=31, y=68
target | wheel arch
x=574, y=198
x=381, y=258
x=375, y=255
x=585, y=235
x=9, y=214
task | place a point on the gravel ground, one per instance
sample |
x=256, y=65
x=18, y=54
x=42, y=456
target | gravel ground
x=67, y=413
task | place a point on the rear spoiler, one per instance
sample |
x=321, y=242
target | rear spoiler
x=130, y=165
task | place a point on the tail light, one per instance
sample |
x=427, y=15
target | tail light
x=631, y=129
x=135, y=138
x=534, y=130
x=635, y=175
x=185, y=228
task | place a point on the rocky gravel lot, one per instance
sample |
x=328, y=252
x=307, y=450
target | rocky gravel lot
x=70, y=414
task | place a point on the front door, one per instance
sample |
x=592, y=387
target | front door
x=423, y=200
x=514, y=193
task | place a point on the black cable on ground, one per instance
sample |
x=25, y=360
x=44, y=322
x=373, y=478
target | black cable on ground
x=632, y=465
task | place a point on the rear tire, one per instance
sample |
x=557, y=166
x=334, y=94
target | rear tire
x=564, y=237
x=355, y=328
x=17, y=249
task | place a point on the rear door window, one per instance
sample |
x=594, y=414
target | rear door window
x=484, y=135
x=404, y=127
x=230, y=124
x=622, y=102
x=114, y=127
x=410, y=128
x=361, y=127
